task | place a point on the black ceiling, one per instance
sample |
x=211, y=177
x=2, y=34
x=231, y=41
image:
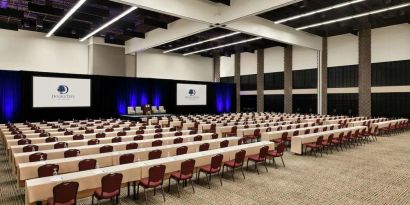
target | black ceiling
x=226, y=2
x=42, y=15
x=350, y=26
x=226, y=51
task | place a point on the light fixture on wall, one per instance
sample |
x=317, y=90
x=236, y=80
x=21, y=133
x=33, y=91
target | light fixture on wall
x=201, y=42
x=67, y=15
x=319, y=11
x=221, y=46
x=109, y=22
x=354, y=16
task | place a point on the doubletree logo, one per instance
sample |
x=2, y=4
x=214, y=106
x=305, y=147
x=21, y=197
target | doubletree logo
x=191, y=92
x=62, y=89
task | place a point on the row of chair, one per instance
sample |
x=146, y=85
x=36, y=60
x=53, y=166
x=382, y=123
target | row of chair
x=138, y=110
x=395, y=128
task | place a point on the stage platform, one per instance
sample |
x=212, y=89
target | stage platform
x=140, y=118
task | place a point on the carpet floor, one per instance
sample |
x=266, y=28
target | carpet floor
x=375, y=173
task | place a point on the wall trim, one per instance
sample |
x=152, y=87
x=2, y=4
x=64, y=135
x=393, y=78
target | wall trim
x=248, y=92
x=304, y=91
x=274, y=92
x=343, y=90
x=391, y=89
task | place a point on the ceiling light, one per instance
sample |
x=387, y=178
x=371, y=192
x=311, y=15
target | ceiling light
x=110, y=22
x=67, y=15
x=201, y=42
x=354, y=16
x=221, y=46
x=319, y=11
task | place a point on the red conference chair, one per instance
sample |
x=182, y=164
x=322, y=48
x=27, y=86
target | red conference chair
x=259, y=158
x=213, y=168
x=131, y=146
x=126, y=129
x=214, y=136
x=110, y=188
x=339, y=142
x=68, y=133
x=93, y=142
x=315, y=146
x=186, y=173
x=19, y=136
x=60, y=145
x=44, y=134
x=154, y=154
x=64, y=193
x=89, y=131
x=255, y=136
x=178, y=140
x=278, y=152
x=307, y=131
x=106, y=148
x=87, y=164
x=116, y=139
x=192, y=132
x=138, y=137
x=182, y=150
x=127, y=159
x=37, y=157
x=224, y=144
x=47, y=170
x=122, y=133
x=24, y=141
x=155, y=179
x=139, y=132
x=198, y=138
x=109, y=130
x=233, y=132
x=235, y=163
x=204, y=147
x=283, y=138
x=157, y=143
x=51, y=139
x=30, y=148
x=159, y=130
x=71, y=153
x=157, y=136
x=78, y=137
x=212, y=129
x=100, y=135
x=328, y=143
x=179, y=133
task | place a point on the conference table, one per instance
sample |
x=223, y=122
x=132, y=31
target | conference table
x=360, y=122
x=389, y=122
x=268, y=136
x=40, y=189
x=226, y=129
x=298, y=141
x=28, y=170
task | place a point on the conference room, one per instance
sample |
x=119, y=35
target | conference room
x=204, y=102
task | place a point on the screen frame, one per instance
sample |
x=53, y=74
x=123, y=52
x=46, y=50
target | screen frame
x=65, y=107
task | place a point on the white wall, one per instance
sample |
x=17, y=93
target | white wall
x=248, y=63
x=154, y=64
x=304, y=58
x=227, y=68
x=343, y=50
x=391, y=43
x=32, y=51
x=274, y=60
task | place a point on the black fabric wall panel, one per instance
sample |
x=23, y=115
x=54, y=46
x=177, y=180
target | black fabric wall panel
x=274, y=103
x=248, y=82
x=227, y=79
x=303, y=79
x=342, y=76
x=248, y=103
x=343, y=104
x=274, y=81
x=391, y=104
x=393, y=73
x=305, y=103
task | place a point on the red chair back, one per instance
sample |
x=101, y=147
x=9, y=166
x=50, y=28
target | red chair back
x=109, y=130
x=214, y=136
x=157, y=143
x=182, y=150
x=47, y=170
x=106, y=148
x=37, y=157
x=158, y=130
x=158, y=135
x=116, y=139
x=65, y=193
x=330, y=138
x=44, y=134
x=131, y=145
x=60, y=145
x=187, y=167
x=240, y=157
x=296, y=133
x=100, y=135
x=19, y=136
x=281, y=148
x=198, y=138
x=156, y=174
x=204, y=147
x=30, y=148
x=216, y=161
x=89, y=131
x=93, y=142
x=178, y=140
x=68, y=133
x=178, y=133
x=139, y=132
x=307, y=131
x=263, y=152
x=24, y=141
x=71, y=153
x=111, y=183
x=119, y=134
x=87, y=164
x=154, y=154
x=138, y=137
x=224, y=144
x=316, y=130
x=319, y=140
x=284, y=136
x=78, y=137
x=126, y=158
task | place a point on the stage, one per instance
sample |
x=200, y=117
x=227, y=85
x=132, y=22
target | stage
x=140, y=118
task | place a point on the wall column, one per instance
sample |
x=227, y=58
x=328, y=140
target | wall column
x=237, y=80
x=260, y=82
x=288, y=80
x=323, y=77
x=365, y=68
x=217, y=67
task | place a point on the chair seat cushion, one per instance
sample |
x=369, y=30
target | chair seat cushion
x=250, y=136
x=312, y=145
x=144, y=183
x=105, y=195
x=256, y=158
x=232, y=163
x=50, y=201
x=277, y=140
x=274, y=153
x=177, y=175
x=208, y=169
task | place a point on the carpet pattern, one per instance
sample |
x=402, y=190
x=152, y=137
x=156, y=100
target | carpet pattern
x=375, y=173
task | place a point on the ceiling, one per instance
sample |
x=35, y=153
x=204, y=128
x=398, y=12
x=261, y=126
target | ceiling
x=42, y=15
x=350, y=26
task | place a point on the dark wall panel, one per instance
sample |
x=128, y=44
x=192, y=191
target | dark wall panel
x=248, y=103
x=274, y=103
x=304, y=79
x=343, y=104
x=274, y=81
x=305, y=103
x=391, y=104
x=248, y=82
x=227, y=79
x=342, y=76
x=393, y=73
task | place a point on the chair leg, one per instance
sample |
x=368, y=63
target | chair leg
x=163, y=192
x=256, y=167
x=179, y=194
x=117, y=199
x=247, y=165
x=220, y=179
x=274, y=162
x=264, y=164
x=138, y=191
x=209, y=180
x=128, y=188
x=92, y=200
x=169, y=184
x=192, y=184
x=282, y=161
x=146, y=199
x=233, y=174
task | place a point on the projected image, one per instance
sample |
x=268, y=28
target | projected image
x=191, y=94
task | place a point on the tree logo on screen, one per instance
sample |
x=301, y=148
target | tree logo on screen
x=62, y=89
x=191, y=92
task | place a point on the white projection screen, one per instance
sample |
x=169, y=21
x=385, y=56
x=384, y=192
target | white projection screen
x=191, y=94
x=51, y=92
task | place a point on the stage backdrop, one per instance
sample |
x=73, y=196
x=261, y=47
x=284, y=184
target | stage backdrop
x=110, y=97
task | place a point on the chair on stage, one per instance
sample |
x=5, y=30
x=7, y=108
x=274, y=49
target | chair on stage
x=154, y=110
x=138, y=110
x=131, y=111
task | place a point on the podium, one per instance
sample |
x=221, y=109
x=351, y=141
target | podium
x=146, y=109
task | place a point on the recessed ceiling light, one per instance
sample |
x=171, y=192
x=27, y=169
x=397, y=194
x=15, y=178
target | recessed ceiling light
x=221, y=46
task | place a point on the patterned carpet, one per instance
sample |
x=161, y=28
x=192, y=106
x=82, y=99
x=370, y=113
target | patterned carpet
x=376, y=173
